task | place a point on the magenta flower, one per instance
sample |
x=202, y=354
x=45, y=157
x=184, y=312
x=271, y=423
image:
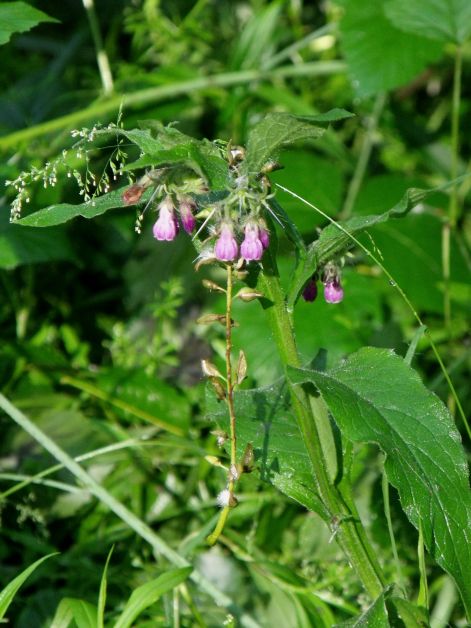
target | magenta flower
x=226, y=248
x=166, y=227
x=251, y=248
x=186, y=208
x=264, y=237
x=333, y=291
x=310, y=290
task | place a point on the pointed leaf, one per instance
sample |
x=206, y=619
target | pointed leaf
x=376, y=397
x=57, y=214
x=9, y=592
x=375, y=615
x=278, y=130
x=18, y=17
x=102, y=594
x=147, y=594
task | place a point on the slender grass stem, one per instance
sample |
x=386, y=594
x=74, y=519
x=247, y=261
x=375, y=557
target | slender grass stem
x=101, y=56
x=162, y=92
x=387, y=513
x=129, y=518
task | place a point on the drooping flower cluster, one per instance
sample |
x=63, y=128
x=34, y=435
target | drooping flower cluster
x=333, y=290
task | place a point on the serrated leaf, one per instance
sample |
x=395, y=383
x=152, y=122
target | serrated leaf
x=18, y=17
x=444, y=20
x=58, y=214
x=278, y=130
x=264, y=419
x=9, y=592
x=148, y=593
x=81, y=612
x=334, y=240
x=376, y=397
x=381, y=57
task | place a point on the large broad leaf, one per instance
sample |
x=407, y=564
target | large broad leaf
x=264, y=419
x=148, y=593
x=278, y=130
x=9, y=592
x=58, y=214
x=444, y=20
x=376, y=397
x=335, y=239
x=18, y=17
x=380, y=56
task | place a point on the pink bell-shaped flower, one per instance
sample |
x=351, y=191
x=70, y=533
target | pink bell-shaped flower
x=166, y=227
x=251, y=248
x=264, y=237
x=186, y=208
x=333, y=291
x=226, y=248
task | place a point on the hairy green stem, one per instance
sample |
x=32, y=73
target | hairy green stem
x=449, y=223
x=128, y=517
x=162, y=92
x=348, y=529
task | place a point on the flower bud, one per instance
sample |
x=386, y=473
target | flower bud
x=251, y=248
x=187, y=206
x=310, y=290
x=333, y=291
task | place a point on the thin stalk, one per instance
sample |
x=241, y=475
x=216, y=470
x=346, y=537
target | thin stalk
x=423, y=596
x=101, y=56
x=129, y=518
x=229, y=380
x=213, y=537
x=363, y=158
x=162, y=92
x=349, y=531
x=449, y=223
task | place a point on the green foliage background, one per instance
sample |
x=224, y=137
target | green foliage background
x=99, y=341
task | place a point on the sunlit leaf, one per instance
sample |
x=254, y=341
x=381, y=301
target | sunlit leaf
x=375, y=397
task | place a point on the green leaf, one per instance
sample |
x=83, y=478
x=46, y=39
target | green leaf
x=410, y=614
x=147, y=594
x=18, y=17
x=381, y=57
x=102, y=593
x=375, y=616
x=375, y=397
x=9, y=592
x=71, y=609
x=58, y=214
x=335, y=239
x=443, y=20
x=25, y=245
x=264, y=419
x=163, y=146
x=278, y=130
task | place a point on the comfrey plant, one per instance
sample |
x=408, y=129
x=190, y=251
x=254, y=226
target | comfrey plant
x=298, y=436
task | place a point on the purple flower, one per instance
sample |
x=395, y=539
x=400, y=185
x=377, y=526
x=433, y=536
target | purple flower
x=333, y=291
x=166, y=227
x=251, y=248
x=226, y=248
x=264, y=237
x=186, y=208
x=310, y=290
